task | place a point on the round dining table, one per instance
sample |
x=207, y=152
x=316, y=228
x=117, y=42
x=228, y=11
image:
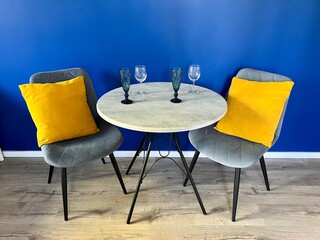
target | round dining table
x=154, y=113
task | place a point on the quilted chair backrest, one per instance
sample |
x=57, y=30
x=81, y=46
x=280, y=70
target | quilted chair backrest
x=261, y=76
x=66, y=74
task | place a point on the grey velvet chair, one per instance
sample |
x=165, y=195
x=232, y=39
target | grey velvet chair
x=233, y=151
x=78, y=151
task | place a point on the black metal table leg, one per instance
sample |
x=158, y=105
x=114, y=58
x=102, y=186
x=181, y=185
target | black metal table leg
x=137, y=153
x=192, y=164
x=175, y=136
x=141, y=177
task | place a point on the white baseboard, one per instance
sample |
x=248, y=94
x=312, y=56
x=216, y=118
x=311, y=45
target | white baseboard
x=1, y=155
x=292, y=155
x=172, y=154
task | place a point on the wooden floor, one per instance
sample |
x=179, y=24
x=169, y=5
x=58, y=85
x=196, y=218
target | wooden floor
x=32, y=209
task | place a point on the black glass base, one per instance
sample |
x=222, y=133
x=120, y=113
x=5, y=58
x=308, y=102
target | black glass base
x=127, y=101
x=176, y=100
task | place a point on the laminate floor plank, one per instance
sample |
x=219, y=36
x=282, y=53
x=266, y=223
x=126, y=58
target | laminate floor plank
x=32, y=209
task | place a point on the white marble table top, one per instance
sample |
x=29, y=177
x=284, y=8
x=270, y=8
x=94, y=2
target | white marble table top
x=155, y=113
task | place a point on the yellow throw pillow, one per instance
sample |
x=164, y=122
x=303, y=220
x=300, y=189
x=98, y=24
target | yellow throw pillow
x=254, y=109
x=59, y=110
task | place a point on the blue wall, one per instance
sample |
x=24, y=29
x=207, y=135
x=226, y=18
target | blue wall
x=281, y=36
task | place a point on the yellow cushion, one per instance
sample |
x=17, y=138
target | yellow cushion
x=254, y=109
x=59, y=110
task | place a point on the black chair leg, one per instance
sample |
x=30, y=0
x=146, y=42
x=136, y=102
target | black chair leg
x=235, y=192
x=264, y=171
x=103, y=161
x=116, y=169
x=64, y=192
x=50, y=174
x=193, y=162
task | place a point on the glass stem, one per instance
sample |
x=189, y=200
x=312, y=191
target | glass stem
x=193, y=86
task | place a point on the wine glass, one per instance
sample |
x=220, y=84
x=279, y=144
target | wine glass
x=140, y=73
x=125, y=77
x=194, y=74
x=176, y=75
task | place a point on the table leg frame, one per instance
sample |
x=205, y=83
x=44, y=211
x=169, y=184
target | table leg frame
x=141, y=176
x=189, y=176
x=175, y=136
x=137, y=153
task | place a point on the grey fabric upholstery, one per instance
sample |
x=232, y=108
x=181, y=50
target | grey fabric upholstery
x=77, y=151
x=229, y=150
x=226, y=149
x=80, y=150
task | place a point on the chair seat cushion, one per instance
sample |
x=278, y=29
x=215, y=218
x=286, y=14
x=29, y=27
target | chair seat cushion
x=226, y=149
x=80, y=150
